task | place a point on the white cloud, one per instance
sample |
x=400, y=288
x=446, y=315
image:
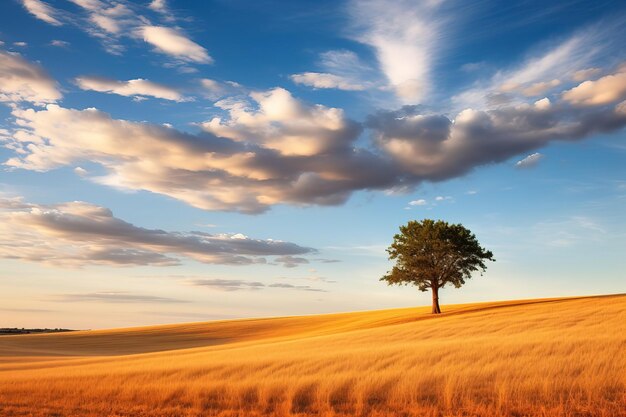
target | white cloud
x=79, y=233
x=42, y=11
x=420, y=202
x=606, y=90
x=171, y=42
x=405, y=36
x=324, y=80
x=131, y=88
x=158, y=5
x=543, y=104
x=59, y=43
x=284, y=124
x=342, y=70
x=81, y=172
x=161, y=7
x=20, y=44
x=21, y=80
x=530, y=161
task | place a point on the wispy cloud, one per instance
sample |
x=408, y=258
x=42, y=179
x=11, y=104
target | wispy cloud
x=131, y=88
x=226, y=284
x=325, y=80
x=43, y=11
x=59, y=43
x=342, y=70
x=420, y=202
x=405, y=36
x=296, y=287
x=239, y=285
x=530, y=161
x=542, y=71
x=171, y=42
x=114, y=297
x=608, y=89
x=111, y=21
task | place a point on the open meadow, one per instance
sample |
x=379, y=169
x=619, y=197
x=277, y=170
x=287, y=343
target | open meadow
x=551, y=357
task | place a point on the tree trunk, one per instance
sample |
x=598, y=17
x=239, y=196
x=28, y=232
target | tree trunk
x=436, y=309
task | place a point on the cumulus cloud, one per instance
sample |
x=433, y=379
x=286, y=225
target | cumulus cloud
x=79, y=233
x=204, y=170
x=325, y=80
x=43, y=11
x=284, y=124
x=420, y=202
x=171, y=42
x=435, y=147
x=530, y=161
x=275, y=149
x=21, y=80
x=131, y=88
x=405, y=36
x=608, y=89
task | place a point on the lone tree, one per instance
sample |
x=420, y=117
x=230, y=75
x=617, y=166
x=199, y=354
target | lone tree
x=430, y=254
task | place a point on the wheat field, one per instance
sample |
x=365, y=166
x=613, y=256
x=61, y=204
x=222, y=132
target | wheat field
x=551, y=357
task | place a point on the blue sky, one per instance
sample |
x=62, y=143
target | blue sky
x=169, y=161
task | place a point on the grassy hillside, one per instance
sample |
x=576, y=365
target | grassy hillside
x=558, y=357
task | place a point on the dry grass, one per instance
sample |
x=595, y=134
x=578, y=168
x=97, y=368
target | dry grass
x=562, y=358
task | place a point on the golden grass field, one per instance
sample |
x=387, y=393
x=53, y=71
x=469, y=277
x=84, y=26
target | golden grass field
x=552, y=357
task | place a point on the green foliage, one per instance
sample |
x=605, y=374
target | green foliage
x=430, y=254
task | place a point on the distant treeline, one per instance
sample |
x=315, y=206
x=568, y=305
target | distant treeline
x=15, y=330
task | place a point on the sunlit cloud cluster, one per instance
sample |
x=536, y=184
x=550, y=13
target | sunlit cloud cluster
x=255, y=148
x=24, y=81
x=78, y=233
x=280, y=150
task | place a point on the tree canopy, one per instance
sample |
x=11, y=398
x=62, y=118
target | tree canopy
x=431, y=254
